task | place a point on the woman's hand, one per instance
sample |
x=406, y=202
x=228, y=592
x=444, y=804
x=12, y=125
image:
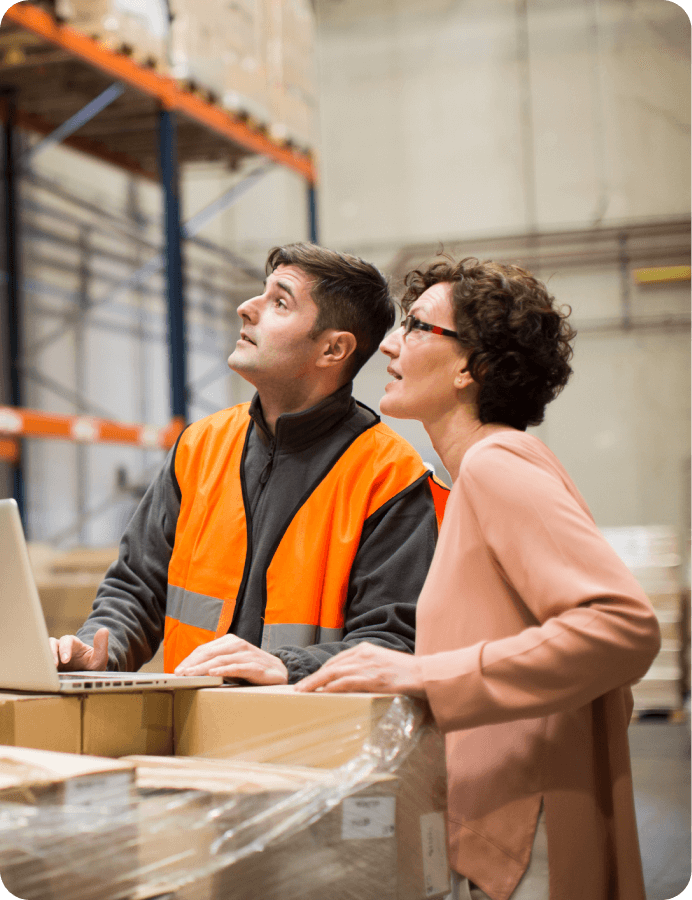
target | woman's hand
x=368, y=667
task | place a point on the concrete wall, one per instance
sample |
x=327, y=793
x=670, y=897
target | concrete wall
x=439, y=124
x=432, y=118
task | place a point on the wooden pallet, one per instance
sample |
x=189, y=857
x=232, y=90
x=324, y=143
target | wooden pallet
x=661, y=714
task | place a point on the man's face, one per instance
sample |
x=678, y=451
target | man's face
x=274, y=343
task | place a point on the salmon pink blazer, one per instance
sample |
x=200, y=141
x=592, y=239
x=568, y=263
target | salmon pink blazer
x=530, y=629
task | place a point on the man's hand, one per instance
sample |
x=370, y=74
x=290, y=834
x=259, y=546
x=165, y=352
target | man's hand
x=71, y=654
x=232, y=657
x=368, y=667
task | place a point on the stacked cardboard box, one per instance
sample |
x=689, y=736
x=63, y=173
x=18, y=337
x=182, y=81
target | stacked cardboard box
x=383, y=839
x=244, y=72
x=67, y=583
x=66, y=828
x=140, y=29
x=291, y=69
x=651, y=554
x=100, y=724
x=41, y=721
x=255, y=57
x=47, y=778
x=293, y=832
x=194, y=46
x=359, y=813
x=218, y=46
x=275, y=724
x=254, y=724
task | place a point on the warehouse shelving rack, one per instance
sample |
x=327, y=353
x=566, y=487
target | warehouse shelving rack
x=144, y=123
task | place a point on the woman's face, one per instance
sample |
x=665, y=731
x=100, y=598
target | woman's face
x=425, y=366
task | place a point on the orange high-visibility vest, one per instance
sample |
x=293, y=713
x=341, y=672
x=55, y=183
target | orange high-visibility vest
x=307, y=577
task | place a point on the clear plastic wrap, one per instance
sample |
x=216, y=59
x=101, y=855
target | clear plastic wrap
x=246, y=826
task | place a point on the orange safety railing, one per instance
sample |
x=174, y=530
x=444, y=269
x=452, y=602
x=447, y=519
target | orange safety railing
x=30, y=423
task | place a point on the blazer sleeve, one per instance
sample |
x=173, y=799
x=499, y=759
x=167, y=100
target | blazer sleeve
x=591, y=627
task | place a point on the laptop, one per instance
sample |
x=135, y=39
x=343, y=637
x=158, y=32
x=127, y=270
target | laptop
x=26, y=660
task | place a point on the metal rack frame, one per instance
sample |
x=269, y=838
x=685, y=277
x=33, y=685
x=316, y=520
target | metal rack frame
x=147, y=124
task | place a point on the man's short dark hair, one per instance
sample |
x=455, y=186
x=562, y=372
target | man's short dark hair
x=519, y=340
x=350, y=295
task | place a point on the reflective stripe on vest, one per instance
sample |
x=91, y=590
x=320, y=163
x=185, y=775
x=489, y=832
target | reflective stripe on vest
x=307, y=577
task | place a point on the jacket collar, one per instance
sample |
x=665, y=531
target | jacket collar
x=297, y=431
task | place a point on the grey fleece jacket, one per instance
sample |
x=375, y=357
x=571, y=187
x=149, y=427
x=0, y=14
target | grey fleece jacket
x=394, y=554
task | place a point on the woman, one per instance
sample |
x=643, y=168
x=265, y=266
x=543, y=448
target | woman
x=529, y=627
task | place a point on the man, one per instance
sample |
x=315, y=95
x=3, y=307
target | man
x=283, y=531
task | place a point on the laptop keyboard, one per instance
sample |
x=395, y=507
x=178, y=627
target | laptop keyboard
x=119, y=677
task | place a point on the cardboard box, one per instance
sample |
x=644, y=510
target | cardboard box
x=85, y=559
x=275, y=724
x=141, y=28
x=657, y=692
x=99, y=724
x=42, y=776
x=291, y=70
x=666, y=602
x=219, y=46
x=671, y=625
x=382, y=838
x=41, y=721
x=68, y=825
x=120, y=724
x=66, y=601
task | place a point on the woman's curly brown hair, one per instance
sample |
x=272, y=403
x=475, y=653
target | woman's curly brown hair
x=519, y=340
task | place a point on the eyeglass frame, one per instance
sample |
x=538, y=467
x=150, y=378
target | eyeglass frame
x=417, y=325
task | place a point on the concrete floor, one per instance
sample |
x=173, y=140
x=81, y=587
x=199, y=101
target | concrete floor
x=660, y=754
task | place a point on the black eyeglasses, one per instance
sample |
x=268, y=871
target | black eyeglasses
x=411, y=323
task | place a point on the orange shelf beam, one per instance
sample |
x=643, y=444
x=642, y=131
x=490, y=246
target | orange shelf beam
x=31, y=423
x=164, y=89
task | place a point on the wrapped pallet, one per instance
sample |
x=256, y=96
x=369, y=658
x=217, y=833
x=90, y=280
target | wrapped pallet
x=291, y=69
x=59, y=815
x=254, y=57
x=218, y=47
x=245, y=88
x=230, y=829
